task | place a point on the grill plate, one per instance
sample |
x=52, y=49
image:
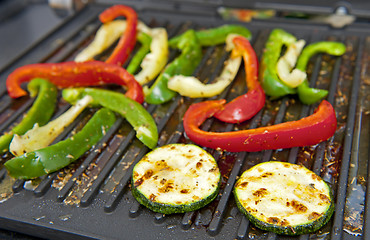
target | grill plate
x=98, y=203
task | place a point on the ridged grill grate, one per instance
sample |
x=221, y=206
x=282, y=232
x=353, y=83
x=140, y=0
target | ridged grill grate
x=92, y=199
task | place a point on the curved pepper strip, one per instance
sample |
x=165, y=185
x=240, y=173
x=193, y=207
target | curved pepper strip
x=135, y=113
x=144, y=49
x=184, y=64
x=307, y=131
x=151, y=64
x=75, y=74
x=50, y=159
x=192, y=87
x=42, y=136
x=245, y=106
x=214, y=36
x=40, y=112
x=291, y=76
x=106, y=35
x=271, y=83
x=156, y=59
x=128, y=39
x=306, y=94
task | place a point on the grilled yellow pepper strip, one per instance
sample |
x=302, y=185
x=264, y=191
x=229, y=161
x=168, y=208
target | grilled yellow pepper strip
x=190, y=86
x=156, y=59
x=107, y=34
x=292, y=78
x=41, y=137
x=152, y=63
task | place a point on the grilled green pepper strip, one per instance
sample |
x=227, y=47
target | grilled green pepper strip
x=40, y=137
x=134, y=112
x=271, y=83
x=40, y=112
x=214, y=36
x=50, y=159
x=306, y=94
x=145, y=41
x=184, y=64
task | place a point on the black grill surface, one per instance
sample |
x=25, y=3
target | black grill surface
x=91, y=198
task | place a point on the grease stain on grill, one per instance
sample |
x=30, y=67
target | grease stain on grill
x=354, y=210
x=6, y=191
x=65, y=217
x=39, y=218
x=204, y=217
x=170, y=227
x=356, y=191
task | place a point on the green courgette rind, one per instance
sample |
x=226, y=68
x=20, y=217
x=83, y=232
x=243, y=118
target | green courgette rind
x=190, y=162
x=172, y=208
x=291, y=229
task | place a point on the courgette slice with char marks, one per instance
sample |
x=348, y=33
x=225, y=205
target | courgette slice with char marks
x=176, y=178
x=284, y=198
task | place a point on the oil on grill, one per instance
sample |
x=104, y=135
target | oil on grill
x=92, y=199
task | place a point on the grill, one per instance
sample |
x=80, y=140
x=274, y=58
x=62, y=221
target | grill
x=91, y=198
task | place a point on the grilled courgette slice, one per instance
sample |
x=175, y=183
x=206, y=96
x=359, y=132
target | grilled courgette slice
x=176, y=178
x=284, y=198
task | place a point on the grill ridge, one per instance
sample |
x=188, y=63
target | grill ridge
x=92, y=191
x=67, y=188
x=15, y=115
x=343, y=177
x=46, y=182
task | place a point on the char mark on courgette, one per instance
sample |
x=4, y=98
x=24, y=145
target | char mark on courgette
x=284, y=198
x=176, y=178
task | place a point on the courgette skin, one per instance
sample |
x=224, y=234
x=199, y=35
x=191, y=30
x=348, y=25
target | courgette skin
x=187, y=167
x=169, y=208
x=291, y=230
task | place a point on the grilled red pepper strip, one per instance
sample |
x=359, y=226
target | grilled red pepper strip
x=75, y=74
x=307, y=131
x=128, y=39
x=245, y=106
